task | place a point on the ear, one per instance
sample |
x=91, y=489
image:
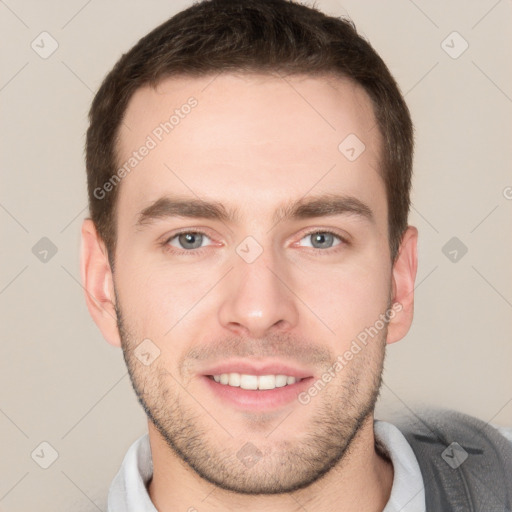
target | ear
x=404, y=275
x=98, y=283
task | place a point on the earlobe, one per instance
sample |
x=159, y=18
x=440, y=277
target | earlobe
x=404, y=276
x=98, y=283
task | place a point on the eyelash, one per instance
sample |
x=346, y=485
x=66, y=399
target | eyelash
x=199, y=251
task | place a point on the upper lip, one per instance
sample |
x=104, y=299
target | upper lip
x=252, y=367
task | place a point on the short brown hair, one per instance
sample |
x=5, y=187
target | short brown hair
x=216, y=36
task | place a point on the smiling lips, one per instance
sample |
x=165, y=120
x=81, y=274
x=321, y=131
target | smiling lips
x=256, y=375
x=250, y=392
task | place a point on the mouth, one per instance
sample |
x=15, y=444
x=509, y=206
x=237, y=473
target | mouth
x=255, y=384
x=255, y=392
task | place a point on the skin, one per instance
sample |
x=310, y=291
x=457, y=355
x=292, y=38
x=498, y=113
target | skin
x=254, y=142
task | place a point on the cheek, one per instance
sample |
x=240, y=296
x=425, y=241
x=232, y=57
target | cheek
x=349, y=298
x=142, y=295
x=157, y=296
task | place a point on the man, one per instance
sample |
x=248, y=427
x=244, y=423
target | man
x=249, y=166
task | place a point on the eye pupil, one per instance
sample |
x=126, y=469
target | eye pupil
x=321, y=238
x=190, y=238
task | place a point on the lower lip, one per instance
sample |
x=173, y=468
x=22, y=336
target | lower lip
x=258, y=399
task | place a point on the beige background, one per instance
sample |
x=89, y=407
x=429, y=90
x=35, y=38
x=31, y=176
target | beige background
x=63, y=384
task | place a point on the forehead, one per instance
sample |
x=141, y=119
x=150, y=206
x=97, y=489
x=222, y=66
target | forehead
x=255, y=138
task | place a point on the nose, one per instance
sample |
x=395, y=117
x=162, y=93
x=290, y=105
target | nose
x=258, y=297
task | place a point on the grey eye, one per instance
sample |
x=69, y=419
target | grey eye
x=322, y=239
x=188, y=240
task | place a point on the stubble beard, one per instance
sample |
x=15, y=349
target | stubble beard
x=286, y=465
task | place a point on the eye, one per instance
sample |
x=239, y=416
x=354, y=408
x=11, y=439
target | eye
x=323, y=239
x=187, y=240
x=193, y=241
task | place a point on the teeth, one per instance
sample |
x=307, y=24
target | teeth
x=281, y=380
x=249, y=381
x=254, y=382
x=234, y=380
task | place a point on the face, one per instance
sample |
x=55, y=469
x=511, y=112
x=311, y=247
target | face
x=253, y=252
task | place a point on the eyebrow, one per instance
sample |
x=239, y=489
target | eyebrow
x=305, y=208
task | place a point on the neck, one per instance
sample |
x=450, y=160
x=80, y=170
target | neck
x=360, y=482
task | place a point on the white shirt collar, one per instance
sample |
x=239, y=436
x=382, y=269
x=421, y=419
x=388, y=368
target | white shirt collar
x=128, y=491
x=408, y=492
